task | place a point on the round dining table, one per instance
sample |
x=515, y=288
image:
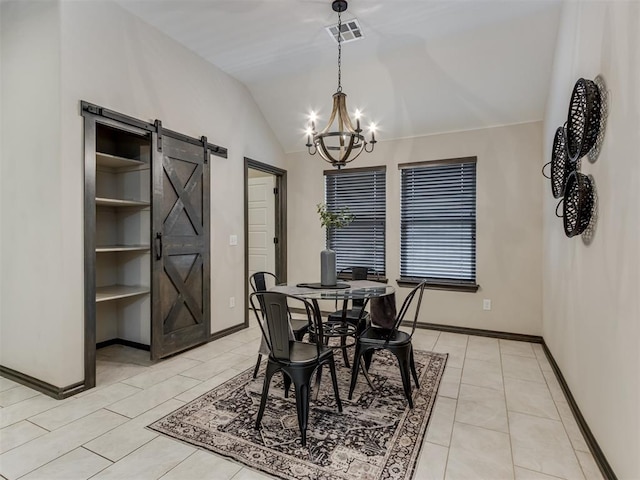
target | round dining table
x=345, y=291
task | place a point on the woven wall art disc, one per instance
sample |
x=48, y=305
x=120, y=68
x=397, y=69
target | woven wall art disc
x=583, y=119
x=560, y=166
x=578, y=204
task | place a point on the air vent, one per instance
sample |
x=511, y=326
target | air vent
x=351, y=31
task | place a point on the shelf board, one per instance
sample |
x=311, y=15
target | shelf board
x=116, y=202
x=113, y=161
x=122, y=248
x=116, y=292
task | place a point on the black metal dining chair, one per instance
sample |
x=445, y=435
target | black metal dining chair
x=394, y=340
x=261, y=282
x=353, y=314
x=348, y=318
x=297, y=360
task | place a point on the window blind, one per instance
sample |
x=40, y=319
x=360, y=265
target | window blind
x=438, y=222
x=361, y=243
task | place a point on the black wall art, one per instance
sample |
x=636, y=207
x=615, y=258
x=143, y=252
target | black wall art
x=582, y=134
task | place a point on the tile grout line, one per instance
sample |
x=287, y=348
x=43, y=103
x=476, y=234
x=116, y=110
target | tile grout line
x=455, y=412
x=506, y=409
x=564, y=428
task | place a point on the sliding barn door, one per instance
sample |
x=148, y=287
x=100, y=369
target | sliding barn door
x=181, y=237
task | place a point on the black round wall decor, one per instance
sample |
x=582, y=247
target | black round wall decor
x=578, y=204
x=560, y=165
x=583, y=119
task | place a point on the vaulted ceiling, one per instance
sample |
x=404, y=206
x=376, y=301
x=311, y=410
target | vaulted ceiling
x=423, y=66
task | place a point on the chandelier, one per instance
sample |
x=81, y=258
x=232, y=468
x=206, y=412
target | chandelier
x=339, y=144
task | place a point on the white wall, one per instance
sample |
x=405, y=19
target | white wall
x=100, y=53
x=591, y=314
x=32, y=193
x=509, y=223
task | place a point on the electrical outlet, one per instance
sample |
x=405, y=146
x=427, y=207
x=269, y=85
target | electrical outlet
x=233, y=240
x=486, y=304
x=232, y=302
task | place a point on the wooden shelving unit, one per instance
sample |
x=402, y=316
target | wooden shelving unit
x=122, y=235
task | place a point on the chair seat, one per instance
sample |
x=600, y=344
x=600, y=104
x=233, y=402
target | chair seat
x=299, y=325
x=352, y=315
x=302, y=353
x=379, y=335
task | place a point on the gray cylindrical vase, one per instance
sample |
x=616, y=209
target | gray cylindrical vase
x=328, y=268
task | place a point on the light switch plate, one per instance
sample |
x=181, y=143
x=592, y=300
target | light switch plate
x=233, y=240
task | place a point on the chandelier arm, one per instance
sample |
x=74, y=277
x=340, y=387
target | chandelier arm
x=344, y=156
x=359, y=151
x=334, y=112
x=343, y=114
x=324, y=152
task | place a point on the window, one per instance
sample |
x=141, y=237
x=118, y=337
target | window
x=438, y=223
x=360, y=244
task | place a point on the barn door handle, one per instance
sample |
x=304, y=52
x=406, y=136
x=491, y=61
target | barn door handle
x=158, y=246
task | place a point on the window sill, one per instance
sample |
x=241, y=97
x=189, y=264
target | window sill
x=439, y=285
x=371, y=278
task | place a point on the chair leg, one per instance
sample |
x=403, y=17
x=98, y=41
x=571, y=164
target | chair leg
x=368, y=357
x=318, y=381
x=345, y=355
x=412, y=363
x=334, y=380
x=271, y=369
x=302, y=406
x=287, y=384
x=255, y=370
x=355, y=370
x=367, y=377
x=403, y=360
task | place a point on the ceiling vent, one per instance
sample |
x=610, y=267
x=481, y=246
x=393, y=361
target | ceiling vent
x=351, y=31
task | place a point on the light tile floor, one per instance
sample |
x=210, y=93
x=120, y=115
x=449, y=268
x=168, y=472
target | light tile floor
x=500, y=414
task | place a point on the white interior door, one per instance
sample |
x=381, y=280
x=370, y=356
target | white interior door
x=262, y=223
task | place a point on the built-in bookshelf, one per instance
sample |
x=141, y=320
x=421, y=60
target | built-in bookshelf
x=122, y=235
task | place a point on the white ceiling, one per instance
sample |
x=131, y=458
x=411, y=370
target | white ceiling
x=423, y=67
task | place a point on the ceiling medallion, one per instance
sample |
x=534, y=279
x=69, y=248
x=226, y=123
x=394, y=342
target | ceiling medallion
x=342, y=143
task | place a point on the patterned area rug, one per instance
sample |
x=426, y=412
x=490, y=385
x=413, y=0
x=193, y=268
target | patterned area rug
x=375, y=437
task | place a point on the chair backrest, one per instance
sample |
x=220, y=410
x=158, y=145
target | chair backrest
x=419, y=290
x=261, y=281
x=275, y=320
x=359, y=273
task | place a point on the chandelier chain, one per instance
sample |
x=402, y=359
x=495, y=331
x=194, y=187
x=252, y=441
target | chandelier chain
x=339, y=52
